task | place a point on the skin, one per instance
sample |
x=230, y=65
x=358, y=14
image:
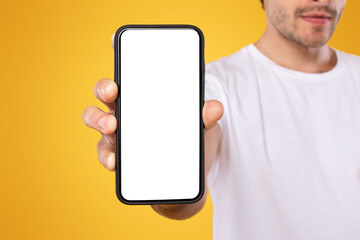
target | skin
x=288, y=40
x=295, y=43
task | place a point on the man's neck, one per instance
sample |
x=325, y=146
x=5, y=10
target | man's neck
x=291, y=55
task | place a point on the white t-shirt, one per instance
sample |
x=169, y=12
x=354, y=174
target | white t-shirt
x=289, y=161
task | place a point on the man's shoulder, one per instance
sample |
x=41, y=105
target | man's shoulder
x=236, y=62
x=351, y=58
x=233, y=58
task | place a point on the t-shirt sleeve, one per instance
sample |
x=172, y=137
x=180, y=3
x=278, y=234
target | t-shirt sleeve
x=213, y=87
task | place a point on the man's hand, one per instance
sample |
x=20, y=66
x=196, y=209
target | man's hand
x=106, y=91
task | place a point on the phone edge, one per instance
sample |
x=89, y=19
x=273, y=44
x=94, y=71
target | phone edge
x=118, y=116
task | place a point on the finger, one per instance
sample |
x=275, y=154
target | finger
x=106, y=91
x=106, y=153
x=112, y=40
x=96, y=118
x=212, y=112
x=109, y=137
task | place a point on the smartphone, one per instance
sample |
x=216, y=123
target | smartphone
x=159, y=141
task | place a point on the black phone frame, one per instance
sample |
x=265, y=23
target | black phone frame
x=117, y=79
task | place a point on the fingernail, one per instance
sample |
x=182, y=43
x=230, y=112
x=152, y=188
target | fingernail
x=103, y=89
x=110, y=163
x=102, y=122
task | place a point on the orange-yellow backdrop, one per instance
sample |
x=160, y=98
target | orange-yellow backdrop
x=52, y=54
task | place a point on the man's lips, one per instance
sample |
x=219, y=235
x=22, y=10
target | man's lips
x=317, y=15
x=316, y=18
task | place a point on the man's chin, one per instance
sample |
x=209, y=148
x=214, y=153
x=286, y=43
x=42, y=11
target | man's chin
x=313, y=39
x=309, y=40
x=312, y=43
x=315, y=45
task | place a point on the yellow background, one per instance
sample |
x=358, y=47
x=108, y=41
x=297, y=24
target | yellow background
x=52, y=54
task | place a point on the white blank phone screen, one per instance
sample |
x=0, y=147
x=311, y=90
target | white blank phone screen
x=160, y=107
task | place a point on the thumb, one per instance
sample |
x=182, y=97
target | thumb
x=212, y=112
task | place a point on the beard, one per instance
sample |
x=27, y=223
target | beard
x=315, y=36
